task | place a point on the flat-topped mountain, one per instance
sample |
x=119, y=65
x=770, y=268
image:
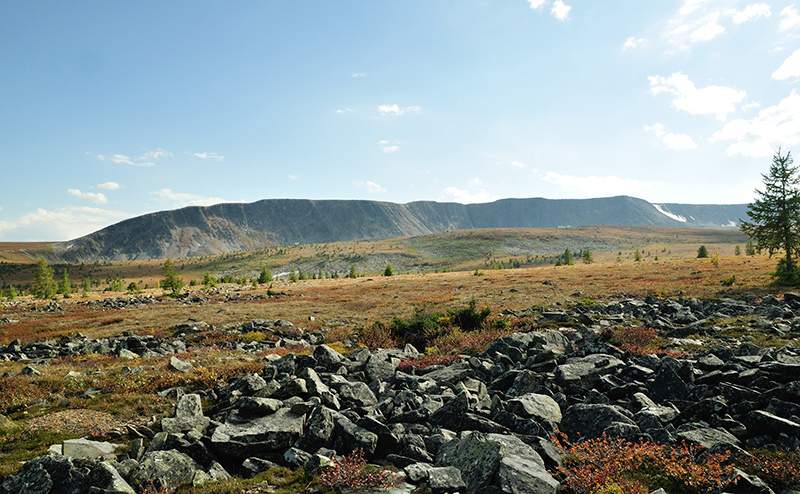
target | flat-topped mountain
x=222, y=228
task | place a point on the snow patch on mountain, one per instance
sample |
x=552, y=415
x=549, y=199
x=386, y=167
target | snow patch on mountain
x=666, y=212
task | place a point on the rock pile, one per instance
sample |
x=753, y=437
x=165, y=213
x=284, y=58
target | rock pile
x=480, y=425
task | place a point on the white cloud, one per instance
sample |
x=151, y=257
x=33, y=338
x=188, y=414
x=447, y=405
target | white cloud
x=61, y=224
x=790, y=18
x=371, y=187
x=454, y=194
x=476, y=182
x=610, y=185
x=749, y=13
x=184, y=199
x=710, y=100
x=517, y=164
x=388, y=147
x=109, y=186
x=708, y=30
x=358, y=74
x=751, y=105
x=393, y=109
x=633, y=43
x=535, y=4
x=775, y=126
x=677, y=142
x=344, y=110
x=690, y=6
x=121, y=159
x=147, y=159
x=95, y=197
x=789, y=68
x=293, y=177
x=154, y=155
x=560, y=10
x=209, y=156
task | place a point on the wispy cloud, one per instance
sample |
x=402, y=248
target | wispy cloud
x=709, y=28
x=677, y=142
x=109, y=186
x=209, y=156
x=184, y=199
x=632, y=43
x=710, y=100
x=292, y=177
x=146, y=159
x=358, y=74
x=68, y=222
x=791, y=18
x=394, y=109
x=371, y=187
x=749, y=13
x=158, y=153
x=344, y=110
x=518, y=164
x=388, y=147
x=758, y=137
x=536, y=4
x=610, y=185
x=560, y=10
x=96, y=197
x=789, y=68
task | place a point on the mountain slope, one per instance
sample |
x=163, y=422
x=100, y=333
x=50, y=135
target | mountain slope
x=223, y=228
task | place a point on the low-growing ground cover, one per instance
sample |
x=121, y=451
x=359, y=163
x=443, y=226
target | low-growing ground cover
x=459, y=314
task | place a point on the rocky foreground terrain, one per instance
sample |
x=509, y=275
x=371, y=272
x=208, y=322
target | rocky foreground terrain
x=481, y=424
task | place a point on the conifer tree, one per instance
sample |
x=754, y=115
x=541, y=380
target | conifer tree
x=775, y=217
x=265, y=276
x=43, y=285
x=388, y=271
x=172, y=280
x=65, y=286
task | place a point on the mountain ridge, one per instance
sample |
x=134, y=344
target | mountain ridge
x=229, y=227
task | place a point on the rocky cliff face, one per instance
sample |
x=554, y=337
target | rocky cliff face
x=224, y=228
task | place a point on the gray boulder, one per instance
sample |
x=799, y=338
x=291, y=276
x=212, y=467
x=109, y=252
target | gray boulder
x=591, y=420
x=271, y=433
x=165, y=469
x=537, y=407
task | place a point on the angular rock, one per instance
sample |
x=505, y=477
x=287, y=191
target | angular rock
x=165, y=469
x=585, y=370
x=590, y=420
x=179, y=365
x=85, y=448
x=271, y=433
x=537, y=407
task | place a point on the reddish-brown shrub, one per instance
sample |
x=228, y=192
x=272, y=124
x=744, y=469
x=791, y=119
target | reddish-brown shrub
x=615, y=465
x=377, y=336
x=424, y=361
x=472, y=342
x=351, y=472
x=779, y=469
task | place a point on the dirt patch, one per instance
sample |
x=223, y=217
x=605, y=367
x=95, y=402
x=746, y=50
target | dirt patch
x=81, y=421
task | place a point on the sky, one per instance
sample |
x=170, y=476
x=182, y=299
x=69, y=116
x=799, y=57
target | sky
x=110, y=110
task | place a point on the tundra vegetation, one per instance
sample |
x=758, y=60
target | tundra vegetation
x=230, y=329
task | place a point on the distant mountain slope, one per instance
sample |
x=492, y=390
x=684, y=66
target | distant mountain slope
x=224, y=228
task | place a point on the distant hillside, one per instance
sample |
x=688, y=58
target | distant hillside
x=222, y=228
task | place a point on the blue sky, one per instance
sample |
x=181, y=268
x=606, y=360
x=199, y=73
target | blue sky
x=110, y=110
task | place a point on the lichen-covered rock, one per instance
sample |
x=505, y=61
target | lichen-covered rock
x=51, y=474
x=271, y=433
x=165, y=469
